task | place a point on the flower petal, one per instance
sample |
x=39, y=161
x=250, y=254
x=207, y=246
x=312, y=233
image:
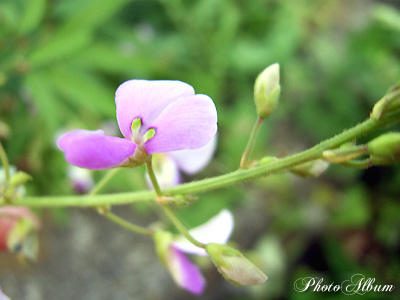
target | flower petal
x=188, y=123
x=216, y=230
x=95, y=150
x=186, y=274
x=146, y=99
x=194, y=160
x=2, y=296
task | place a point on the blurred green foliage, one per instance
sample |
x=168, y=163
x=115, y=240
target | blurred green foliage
x=61, y=61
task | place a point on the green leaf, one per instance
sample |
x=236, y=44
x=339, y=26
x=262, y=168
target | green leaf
x=33, y=15
x=58, y=47
x=92, y=15
x=43, y=95
x=82, y=89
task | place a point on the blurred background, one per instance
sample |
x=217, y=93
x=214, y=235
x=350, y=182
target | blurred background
x=60, y=64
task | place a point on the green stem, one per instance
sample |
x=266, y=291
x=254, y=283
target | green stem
x=110, y=174
x=218, y=181
x=250, y=144
x=127, y=225
x=153, y=178
x=358, y=164
x=181, y=228
x=4, y=159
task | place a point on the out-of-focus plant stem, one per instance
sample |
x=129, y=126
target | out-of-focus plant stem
x=4, y=160
x=250, y=144
x=222, y=180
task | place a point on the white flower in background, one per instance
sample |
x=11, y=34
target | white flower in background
x=168, y=165
x=81, y=179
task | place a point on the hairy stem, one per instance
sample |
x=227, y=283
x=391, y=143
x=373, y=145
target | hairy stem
x=110, y=174
x=153, y=178
x=218, y=181
x=250, y=144
x=127, y=225
x=181, y=228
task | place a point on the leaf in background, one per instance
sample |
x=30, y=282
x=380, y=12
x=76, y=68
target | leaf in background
x=83, y=90
x=47, y=102
x=33, y=15
x=58, y=47
x=92, y=15
x=353, y=211
x=110, y=58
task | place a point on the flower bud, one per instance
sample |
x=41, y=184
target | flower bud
x=385, y=149
x=267, y=91
x=20, y=178
x=162, y=240
x=311, y=169
x=18, y=231
x=234, y=266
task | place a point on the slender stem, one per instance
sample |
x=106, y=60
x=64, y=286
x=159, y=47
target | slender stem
x=168, y=211
x=127, y=225
x=358, y=164
x=250, y=144
x=153, y=178
x=4, y=159
x=110, y=174
x=218, y=181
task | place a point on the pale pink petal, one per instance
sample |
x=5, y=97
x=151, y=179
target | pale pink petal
x=188, y=123
x=194, y=160
x=95, y=150
x=2, y=296
x=166, y=171
x=146, y=100
x=216, y=230
x=186, y=274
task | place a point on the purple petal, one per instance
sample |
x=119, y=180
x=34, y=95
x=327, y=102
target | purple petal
x=166, y=170
x=146, y=100
x=186, y=274
x=95, y=150
x=188, y=123
x=194, y=160
x=216, y=230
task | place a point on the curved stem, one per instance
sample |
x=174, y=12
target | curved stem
x=153, y=178
x=4, y=159
x=250, y=144
x=181, y=228
x=218, y=181
x=110, y=174
x=127, y=225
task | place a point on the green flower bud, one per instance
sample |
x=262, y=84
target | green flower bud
x=20, y=178
x=311, y=169
x=234, y=266
x=162, y=240
x=385, y=149
x=267, y=91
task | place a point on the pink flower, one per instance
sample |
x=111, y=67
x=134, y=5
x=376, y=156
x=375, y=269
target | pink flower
x=2, y=296
x=154, y=117
x=18, y=228
x=186, y=274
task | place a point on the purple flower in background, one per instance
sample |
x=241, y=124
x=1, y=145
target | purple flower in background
x=167, y=166
x=154, y=117
x=186, y=274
